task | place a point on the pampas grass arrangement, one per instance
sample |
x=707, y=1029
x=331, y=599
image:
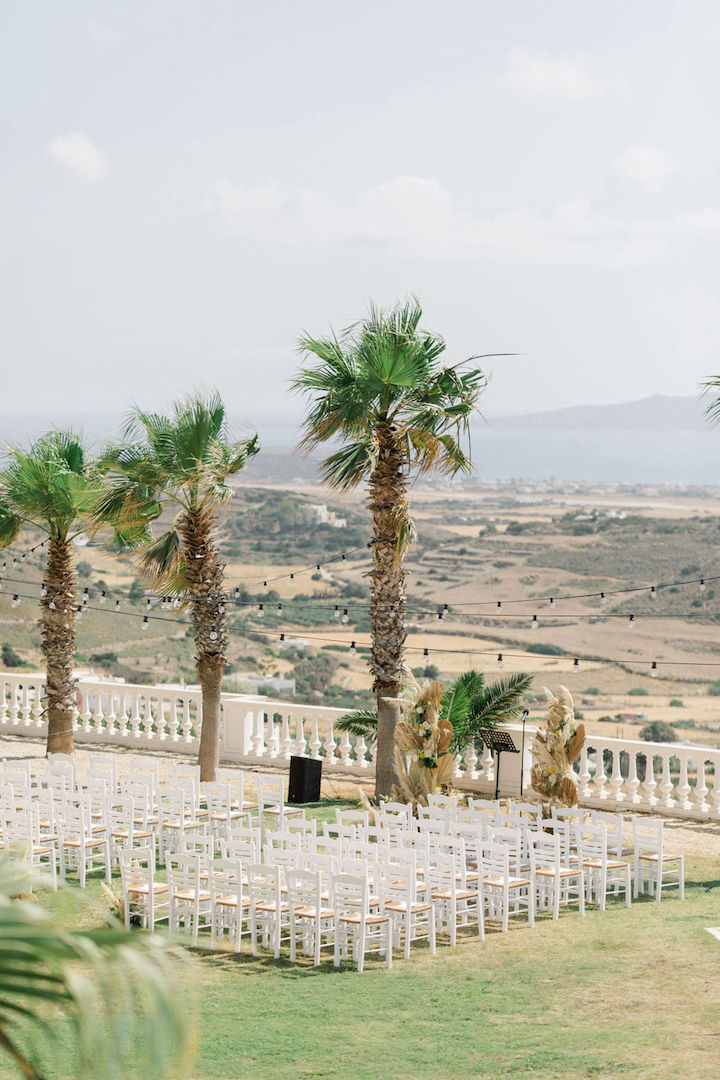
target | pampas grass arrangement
x=422, y=743
x=555, y=747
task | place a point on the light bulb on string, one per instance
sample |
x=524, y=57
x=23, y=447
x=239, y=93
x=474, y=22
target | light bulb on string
x=222, y=609
x=103, y=596
x=654, y=670
x=279, y=609
x=43, y=590
x=576, y=665
x=317, y=566
x=702, y=584
x=343, y=557
x=426, y=653
x=499, y=605
x=337, y=612
x=631, y=622
x=653, y=593
x=148, y=603
x=603, y=598
x=392, y=609
x=440, y=616
x=535, y=624
x=552, y=602
x=177, y=602
x=352, y=650
x=52, y=605
x=117, y=605
x=260, y=611
x=86, y=594
x=236, y=593
x=282, y=637
x=78, y=612
x=500, y=661
x=145, y=623
x=213, y=634
x=15, y=600
x=265, y=586
x=345, y=617
x=292, y=577
x=445, y=611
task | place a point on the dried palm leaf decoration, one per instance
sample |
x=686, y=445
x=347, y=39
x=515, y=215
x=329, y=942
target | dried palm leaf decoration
x=422, y=743
x=555, y=747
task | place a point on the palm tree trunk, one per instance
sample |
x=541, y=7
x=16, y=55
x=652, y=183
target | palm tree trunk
x=204, y=574
x=387, y=504
x=58, y=646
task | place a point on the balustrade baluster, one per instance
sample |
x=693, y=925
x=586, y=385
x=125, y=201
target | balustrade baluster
x=26, y=705
x=300, y=746
x=683, y=788
x=273, y=737
x=632, y=783
x=99, y=716
x=701, y=789
x=616, y=780
x=13, y=711
x=174, y=723
x=666, y=784
x=345, y=749
x=584, y=775
x=650, y=783
x=257, y=739
x=314, y=744
x=471, y=760
x=286, y=742
x=135, y=717
x=361, y=752
x=715, y=797
x=330, y=745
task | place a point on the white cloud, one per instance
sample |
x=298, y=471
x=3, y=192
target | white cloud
x=560, y=76
x=79, y=155
x=416, y=217
x=647, y=168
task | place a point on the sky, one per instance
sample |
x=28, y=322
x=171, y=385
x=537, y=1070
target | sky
x=188, y=186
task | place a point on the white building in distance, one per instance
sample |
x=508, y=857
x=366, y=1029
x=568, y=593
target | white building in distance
x=318, y=514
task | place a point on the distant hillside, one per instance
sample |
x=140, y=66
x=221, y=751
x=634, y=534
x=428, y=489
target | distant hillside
x=656, y=413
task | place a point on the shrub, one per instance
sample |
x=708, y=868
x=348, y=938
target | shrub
x=544, y=650
x=9, y=657
x=658, y=731
x=676, y=703
x=84, y=568
x=638, y=691
x=714, y=689
x=592, y=690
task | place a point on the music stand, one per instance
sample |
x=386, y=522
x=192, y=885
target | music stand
x=499, y=742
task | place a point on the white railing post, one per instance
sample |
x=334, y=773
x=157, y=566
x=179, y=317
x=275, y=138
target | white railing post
x=683, y=788
x=300, y=746
x=314, y=744
x=286, y=742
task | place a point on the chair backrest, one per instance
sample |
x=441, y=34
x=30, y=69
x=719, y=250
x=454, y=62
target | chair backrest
x=100, y=771
x=572, y=813
x=648, y=835
x=351, y=894
x=545, y=850
x=335, y=830
x=183, y=870
x=563, y=830
x=394, y=813
x=304, y=888
x=284, y=839
x=218, y=798
x=446, y=802
x=614, y=823
x=263, y=882
x=226, y=878
x=137, y=866
x=286, y=858
x=270, y=790
x=495, y=860
x=233, y=846
x=352, y=817
x=591, y=841
x=195, y=842
x=305, y=828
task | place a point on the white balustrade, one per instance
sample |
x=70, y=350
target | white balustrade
x=669, y=778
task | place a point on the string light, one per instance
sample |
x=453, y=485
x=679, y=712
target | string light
x=654, y=670
x=282, y=637
x=148, y=603
x=499, y=605
x=292, y=577
x=79, y=612
x=145, y=622
x=552, y=602
x=15, y=600
x=535, y=624
x=631, y=622
x=653, y=592
x=576, y=665
x=52, y=605
x=337, y=612
x=500, y=661
x=345, y=616
x=445, y=610
x=117, y=605
x=237, y=593
x=86, y=594
x=426, y=653
x=103, y=596
x=352, y=650
x=213, y=634
x=702, y=584
x=265, y=586
x=279, y=609
x=43, y=591
x=260, y=611
x=603, y=598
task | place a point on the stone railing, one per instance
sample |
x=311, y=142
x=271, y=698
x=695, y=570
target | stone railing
x=667, y=778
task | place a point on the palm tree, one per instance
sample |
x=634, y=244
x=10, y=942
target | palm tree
x=185, y=459
x=469, y=703
x=119, y=990
x=382, y=390
x=52, y=487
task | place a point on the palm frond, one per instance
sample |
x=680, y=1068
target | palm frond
x=118, y=990
x=162, y=558
x=361, y=723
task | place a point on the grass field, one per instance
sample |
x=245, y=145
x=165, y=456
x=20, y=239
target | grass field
x=620, y=993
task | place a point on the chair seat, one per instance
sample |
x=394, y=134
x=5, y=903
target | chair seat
x=271, y=905
x=648, y=856
x=565, y=871
x=513, y=882
x=144, y=888
x=42, y=851
x=611, y=864
x=312, y=913
x=87, y=842
x=222, y=816
x=285, y=810
x=183, y=825
x=358, y=918
x=124, y=834
x=460, y=894
x=231, y=901
x=190, y=894
x=402, y=906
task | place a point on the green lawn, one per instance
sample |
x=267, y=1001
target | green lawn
x=622, y=993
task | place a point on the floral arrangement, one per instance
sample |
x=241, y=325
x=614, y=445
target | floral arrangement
x=555, y=747
x=422, y=744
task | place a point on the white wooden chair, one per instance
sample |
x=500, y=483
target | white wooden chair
x=655, y=868
x=78, y=845
x=556, y=882
x=311, y=914
x=356, y=925
x=144, y=898
x=456, y=904
x=411, y=917
x=229, y=906
x=506, y=892
x=190, y=897
x=269, y=912
x=604, y=873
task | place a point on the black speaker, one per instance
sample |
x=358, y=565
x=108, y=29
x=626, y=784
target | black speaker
x=305, y=777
